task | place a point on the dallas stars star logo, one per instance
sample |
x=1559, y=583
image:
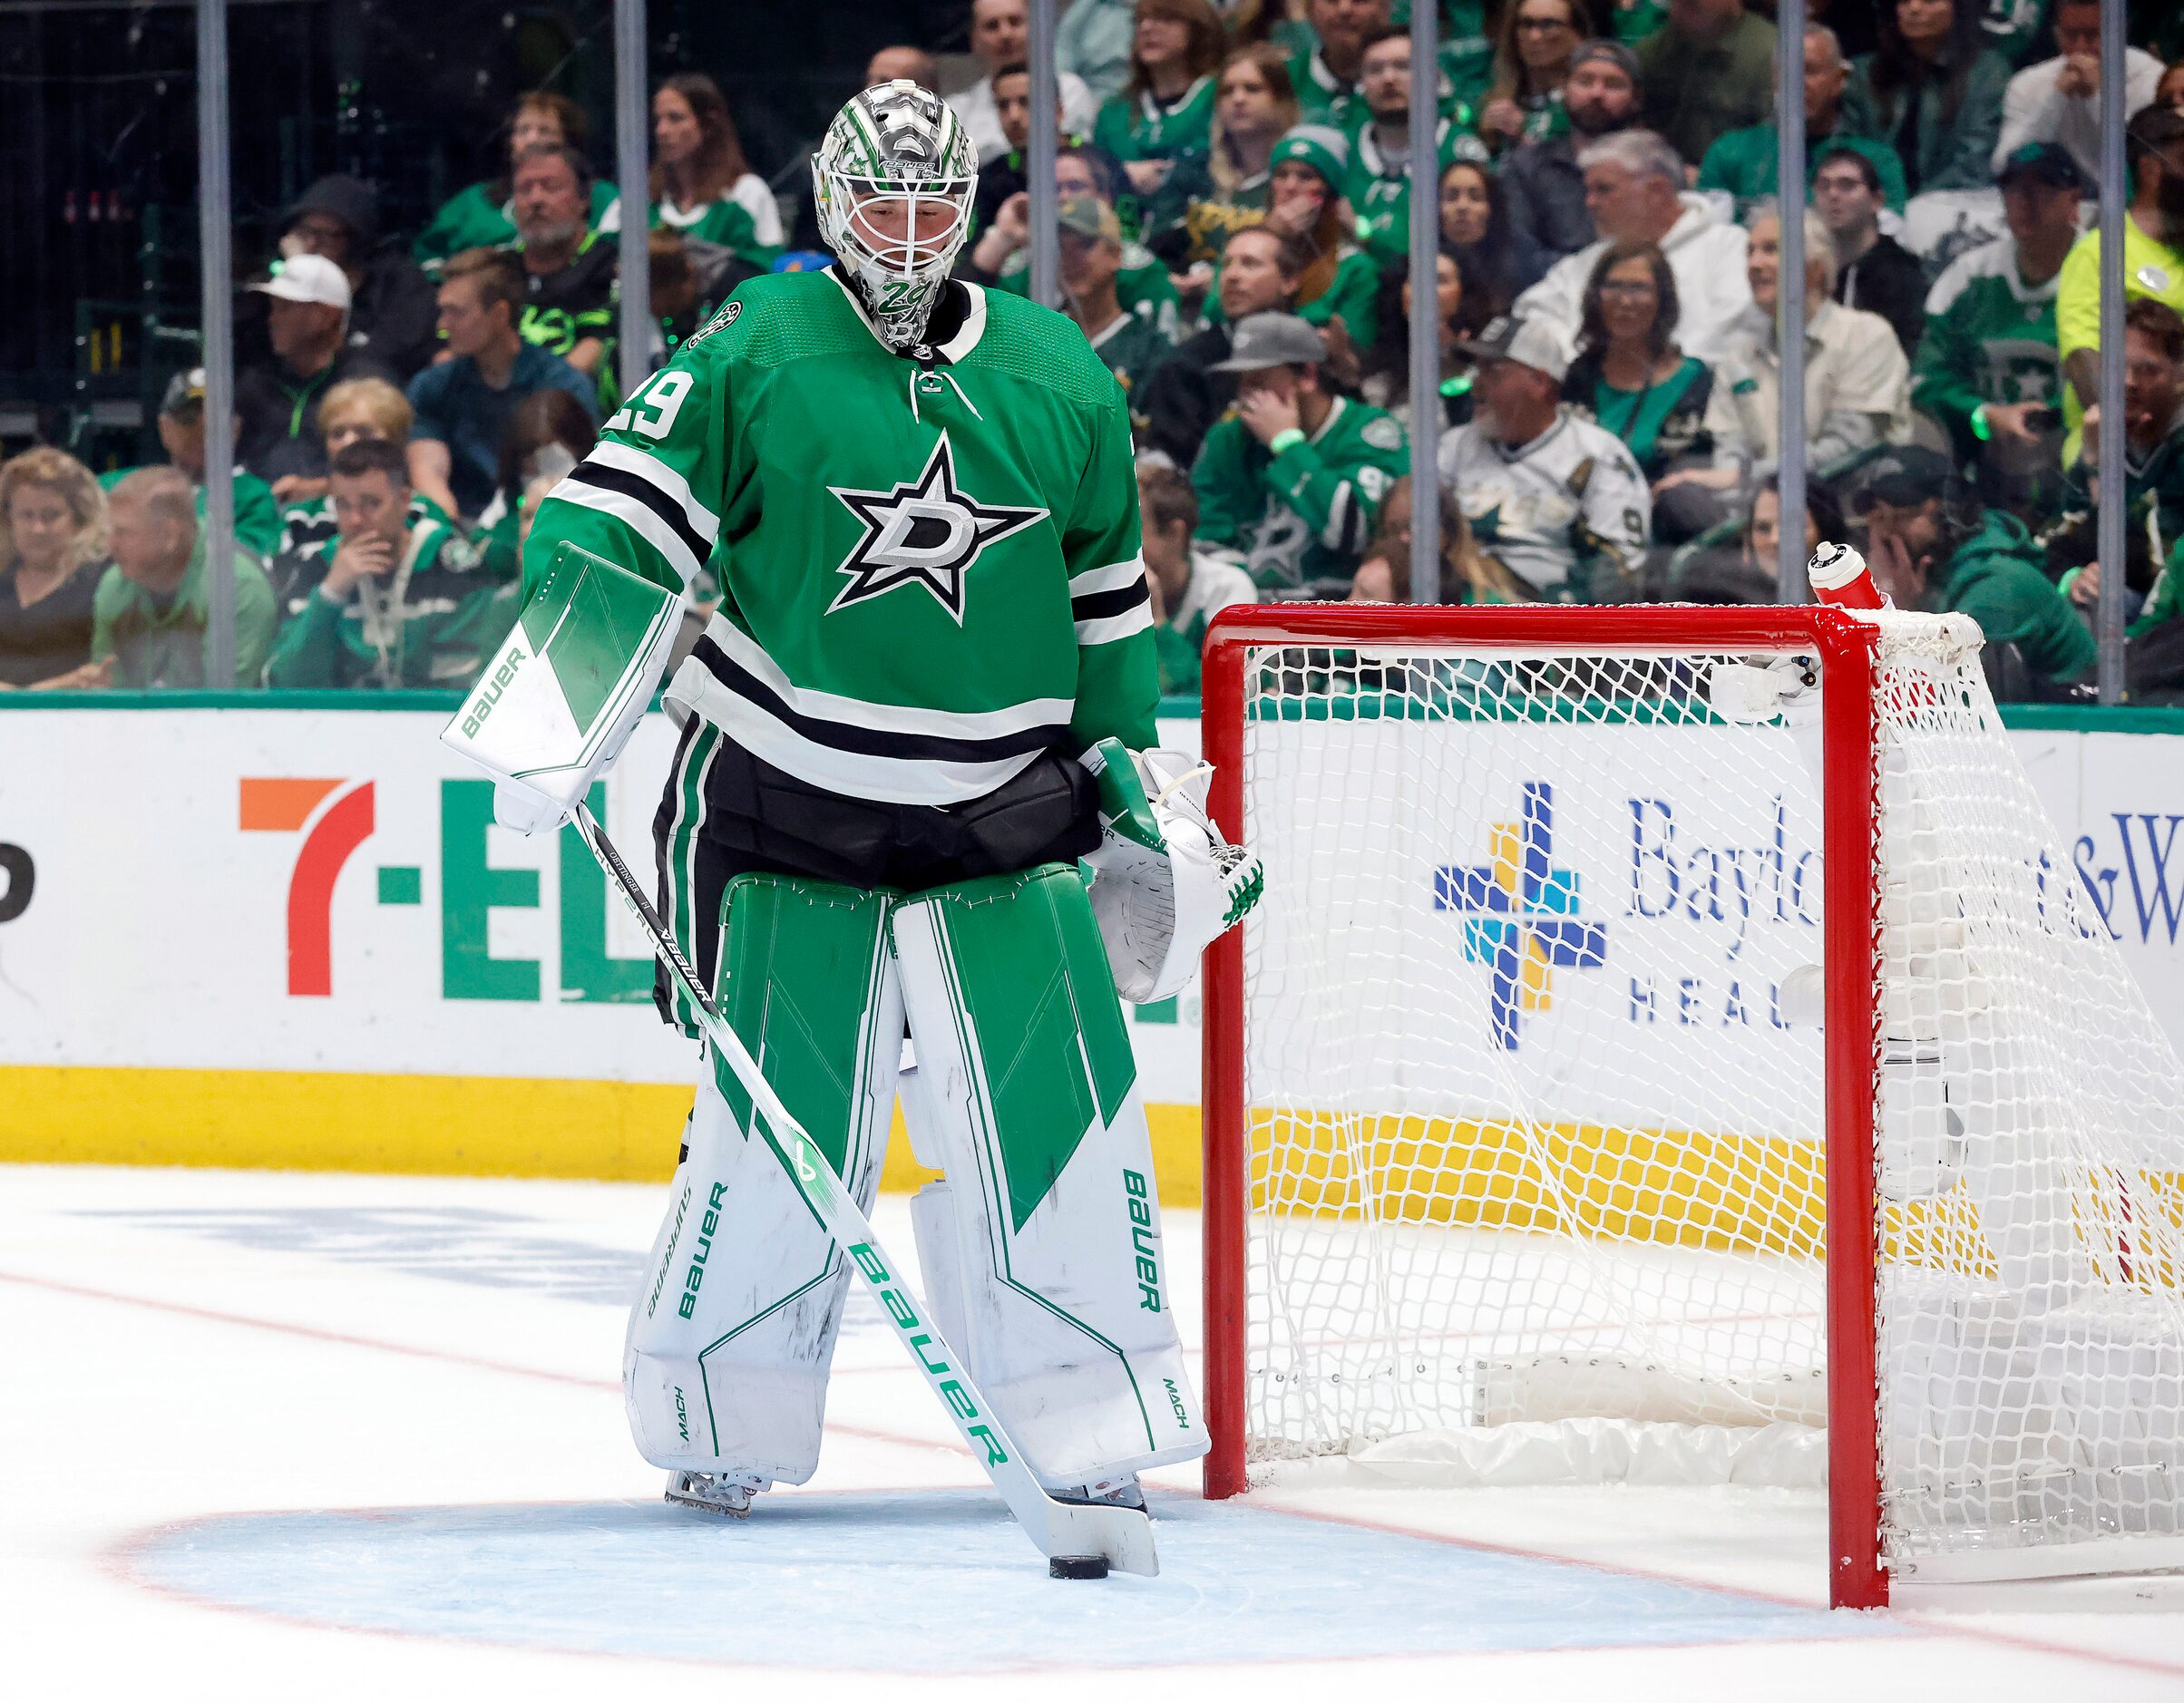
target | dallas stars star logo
x=927, y=533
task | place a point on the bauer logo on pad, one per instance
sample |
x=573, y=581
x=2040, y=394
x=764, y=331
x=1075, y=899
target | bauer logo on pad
x=571, y=678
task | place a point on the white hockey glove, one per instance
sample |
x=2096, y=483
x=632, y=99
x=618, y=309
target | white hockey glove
x=562, y=694
x=1165, y=884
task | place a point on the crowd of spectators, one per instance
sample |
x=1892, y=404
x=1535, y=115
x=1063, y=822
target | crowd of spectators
x=1234, y=187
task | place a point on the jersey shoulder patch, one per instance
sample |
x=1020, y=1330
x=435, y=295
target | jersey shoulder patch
x=1384, y=432
x=725, y=315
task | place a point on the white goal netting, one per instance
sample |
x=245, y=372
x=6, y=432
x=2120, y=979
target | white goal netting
x=1533, y=1069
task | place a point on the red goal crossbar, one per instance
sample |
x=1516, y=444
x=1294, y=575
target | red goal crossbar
x=1848, y=651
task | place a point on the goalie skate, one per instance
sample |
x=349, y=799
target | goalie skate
x=715, y=1493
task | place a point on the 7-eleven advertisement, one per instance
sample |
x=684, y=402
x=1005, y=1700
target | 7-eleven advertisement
x=296, y=937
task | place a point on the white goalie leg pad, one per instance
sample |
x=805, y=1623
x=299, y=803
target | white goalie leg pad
x=1027, y=1087
x=726, y=1361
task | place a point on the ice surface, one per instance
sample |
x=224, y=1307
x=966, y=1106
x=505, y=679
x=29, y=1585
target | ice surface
x=281, y=1436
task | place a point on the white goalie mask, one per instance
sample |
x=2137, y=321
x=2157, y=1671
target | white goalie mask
x=892, y=182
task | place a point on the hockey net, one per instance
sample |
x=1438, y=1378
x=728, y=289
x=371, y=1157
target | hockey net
x=1631, y=1068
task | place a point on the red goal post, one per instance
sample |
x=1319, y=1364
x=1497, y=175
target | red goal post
x=1848, y=651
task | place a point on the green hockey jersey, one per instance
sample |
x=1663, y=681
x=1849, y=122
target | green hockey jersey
x=929, y=569
x=1379, y=187
x=1990, y=337
x=1302, y=518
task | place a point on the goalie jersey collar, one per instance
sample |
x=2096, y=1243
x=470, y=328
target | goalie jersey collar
x=958, y=322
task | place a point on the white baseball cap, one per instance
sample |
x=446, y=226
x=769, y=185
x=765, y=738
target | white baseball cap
x=307, y=278
x=1532, y=343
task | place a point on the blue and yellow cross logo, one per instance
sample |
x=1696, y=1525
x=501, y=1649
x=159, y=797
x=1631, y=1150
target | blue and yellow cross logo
x=1520, y=914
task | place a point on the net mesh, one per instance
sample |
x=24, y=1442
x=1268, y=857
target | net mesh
x=1532, y=1073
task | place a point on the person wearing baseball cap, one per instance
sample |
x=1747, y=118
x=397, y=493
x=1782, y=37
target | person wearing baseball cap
x=1988, y=368
x=1130, y=344
x=393, y=311
x=2153, y=256
x=276, y=401
x=1932, y=546
x=1292, y=478
x=1542, y=180
x=1556, y=501
x=182, y=428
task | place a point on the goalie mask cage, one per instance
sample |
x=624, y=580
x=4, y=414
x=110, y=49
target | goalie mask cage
x=1636, y=1070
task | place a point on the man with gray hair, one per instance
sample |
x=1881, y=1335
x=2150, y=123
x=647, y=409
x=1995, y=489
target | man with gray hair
x=1633, y=183
x=1858, y=381
x=150, y=622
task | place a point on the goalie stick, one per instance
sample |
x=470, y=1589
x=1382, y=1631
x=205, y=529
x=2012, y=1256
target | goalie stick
x=1071, y=1534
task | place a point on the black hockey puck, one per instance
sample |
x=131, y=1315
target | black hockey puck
x=1078, y=1567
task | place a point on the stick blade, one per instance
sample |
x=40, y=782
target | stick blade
x=1122, y=1537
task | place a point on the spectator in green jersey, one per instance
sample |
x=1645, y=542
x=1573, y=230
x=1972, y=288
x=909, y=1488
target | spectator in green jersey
x=1294, y=478
x=1254, y=106
x=387, y=603
x=182, y=428
x=1165, y=113
x=362, y=408
x=1744, y=163
x=1532, y=56
x=1932, y=548
x=1305, y=205
x=700, y=184
x=1326, y=76
x=1189, y=586
x=1378, y=184
x=1987, y=369
x=151, y=621
x=481, y=216
x=1933, y=89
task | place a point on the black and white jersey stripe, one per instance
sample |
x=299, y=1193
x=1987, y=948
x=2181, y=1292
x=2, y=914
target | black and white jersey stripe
x=891, y=753
x=648, y=497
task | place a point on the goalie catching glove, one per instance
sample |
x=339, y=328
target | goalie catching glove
x=562, y=694
x=1166, y=885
